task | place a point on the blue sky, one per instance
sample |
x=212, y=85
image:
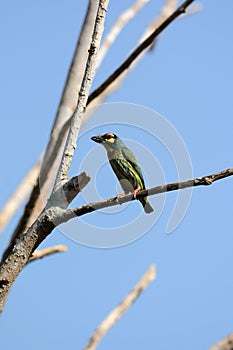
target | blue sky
x=59, y=301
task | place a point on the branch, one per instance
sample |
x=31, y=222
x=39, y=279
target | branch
x=39, y=254
x=224, y=344
x=76, y=119
x=118, y=311
x=144, y=45
x=200, y=181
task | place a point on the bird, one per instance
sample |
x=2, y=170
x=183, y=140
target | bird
x=125, y=166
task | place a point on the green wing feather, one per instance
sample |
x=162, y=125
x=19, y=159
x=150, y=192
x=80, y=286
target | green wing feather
x=128, y=172
x=129, y=156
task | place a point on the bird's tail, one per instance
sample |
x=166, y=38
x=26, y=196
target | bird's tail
x=146, y=205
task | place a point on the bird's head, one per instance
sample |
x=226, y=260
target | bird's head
x=109, y=141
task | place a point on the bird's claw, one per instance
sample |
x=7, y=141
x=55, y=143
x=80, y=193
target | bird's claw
x=135, y=192
x=119, y=196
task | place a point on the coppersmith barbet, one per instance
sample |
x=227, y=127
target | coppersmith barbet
x=124, y=165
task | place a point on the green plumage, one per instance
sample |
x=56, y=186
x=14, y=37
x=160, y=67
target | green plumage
x=124, y=165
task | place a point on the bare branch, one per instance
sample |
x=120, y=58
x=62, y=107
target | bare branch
x=144, y=45
x=76, y=119
x=200, y=181
x=39, y=254
x=19, y=196
x=118, y=311
x=224, y=344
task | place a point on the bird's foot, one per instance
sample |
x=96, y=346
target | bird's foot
x=135, y=192
x=119, y=196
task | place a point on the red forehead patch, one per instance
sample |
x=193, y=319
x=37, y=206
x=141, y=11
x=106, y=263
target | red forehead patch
x=108, y=136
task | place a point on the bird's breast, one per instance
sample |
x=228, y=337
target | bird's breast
x=111, y=154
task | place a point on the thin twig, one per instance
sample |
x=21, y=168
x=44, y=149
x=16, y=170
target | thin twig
x=144, y=45
x=200, y=181
x=39, y=254
x=118, y=311
x=224, y=344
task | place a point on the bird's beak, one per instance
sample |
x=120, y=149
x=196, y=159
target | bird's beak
x=98, y=139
